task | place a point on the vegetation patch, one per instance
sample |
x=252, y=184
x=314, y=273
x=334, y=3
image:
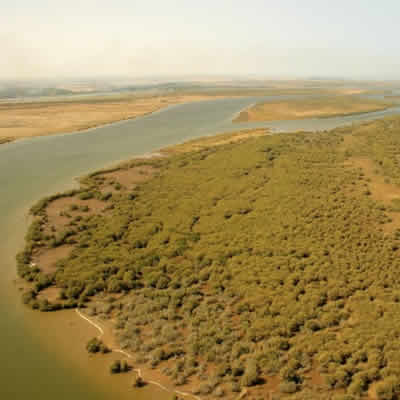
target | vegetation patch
x=97, y=346
x=314, y=107
x=258, y=267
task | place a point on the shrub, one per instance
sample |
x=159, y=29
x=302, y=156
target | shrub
x=138, y=382
x=95, y=345
x=115, y=367
x=251, y=374
x=288, y=387
x=205, y=388
x=28, y=296
x=125, y=366
x=86, y=195
x=389, y=389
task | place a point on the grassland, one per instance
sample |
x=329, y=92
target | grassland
x=18, y=120
x=317, y=107
x=266, y=265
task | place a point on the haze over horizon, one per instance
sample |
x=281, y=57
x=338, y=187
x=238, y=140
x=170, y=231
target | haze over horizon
x=46, y=39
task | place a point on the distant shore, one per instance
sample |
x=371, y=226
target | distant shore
x=319, y=107
x=34, y=119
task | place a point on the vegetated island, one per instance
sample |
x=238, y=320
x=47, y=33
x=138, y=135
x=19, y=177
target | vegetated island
x=261, y=267
x=316, y=107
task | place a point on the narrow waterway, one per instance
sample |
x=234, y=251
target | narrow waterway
x=43, y=355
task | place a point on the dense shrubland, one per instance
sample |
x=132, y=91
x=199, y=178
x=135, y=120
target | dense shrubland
x=260, y=265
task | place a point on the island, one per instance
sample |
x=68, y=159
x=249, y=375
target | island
x=311, y=107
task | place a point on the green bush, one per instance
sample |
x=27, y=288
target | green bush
x=288, y=387
x=115, y=367
x=95, y=345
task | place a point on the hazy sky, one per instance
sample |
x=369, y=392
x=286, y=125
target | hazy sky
x=52, y=38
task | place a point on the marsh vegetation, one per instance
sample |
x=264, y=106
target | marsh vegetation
x=267, y=265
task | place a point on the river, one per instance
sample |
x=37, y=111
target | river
x=43, y=355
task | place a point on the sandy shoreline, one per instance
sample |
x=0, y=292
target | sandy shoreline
x=138, y=371
x=18, y=121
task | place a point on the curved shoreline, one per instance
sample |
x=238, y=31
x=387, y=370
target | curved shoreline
x=93, y=126
x=137, y=370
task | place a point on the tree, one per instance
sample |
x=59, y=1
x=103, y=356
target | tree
x=115, y=367
x=138, y=382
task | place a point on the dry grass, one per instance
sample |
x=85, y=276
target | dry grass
x=219, y=140
x=130, y=177
x=47, y=260
x=321, y=107
x=19, y=120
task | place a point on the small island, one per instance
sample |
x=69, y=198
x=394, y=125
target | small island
x=312, y=107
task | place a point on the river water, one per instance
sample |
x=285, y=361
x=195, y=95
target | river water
x=42, y=355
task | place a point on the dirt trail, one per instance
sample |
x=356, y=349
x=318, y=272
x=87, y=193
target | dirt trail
x=137, y=370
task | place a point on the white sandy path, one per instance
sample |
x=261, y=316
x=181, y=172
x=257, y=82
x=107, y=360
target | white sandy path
x=137, y=370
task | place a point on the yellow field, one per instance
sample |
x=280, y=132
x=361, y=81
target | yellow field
x=19, y=120
x=321, y=107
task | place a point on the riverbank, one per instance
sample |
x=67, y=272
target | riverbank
x=22, y=120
